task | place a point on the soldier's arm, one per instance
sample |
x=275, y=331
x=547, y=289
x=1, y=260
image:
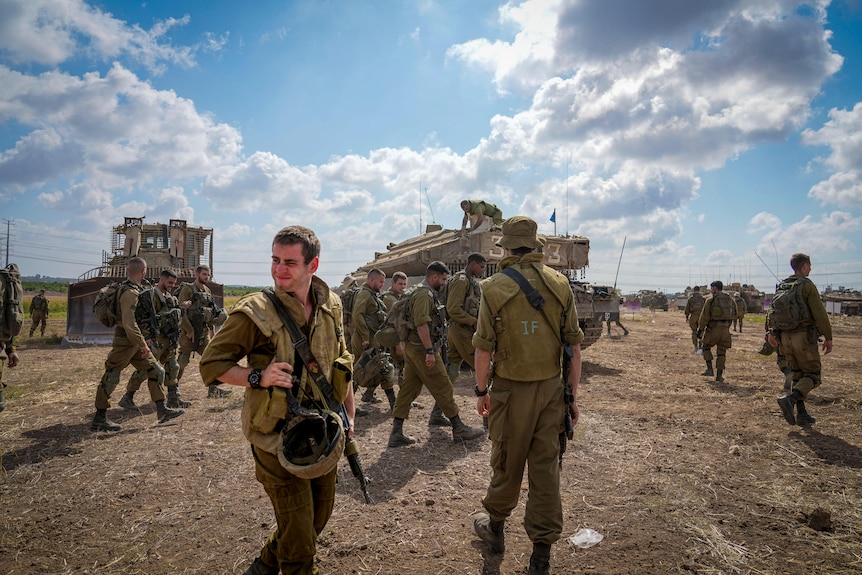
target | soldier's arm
x=360, y=310
x=818, y=310
x=128, y=303
x=455, y=301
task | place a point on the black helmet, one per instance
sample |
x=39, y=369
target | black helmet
x=311, y=443
x=766, y=348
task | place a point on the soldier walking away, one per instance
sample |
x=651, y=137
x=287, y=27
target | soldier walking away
x=713, y=328
x=390, y=296
x=526, y=406
x=796, y=325
x=130, y=347
x=462, y=306
x=741, y=308
x=481, y=216
x=367, y=317
x=693, y=307
x=158, y=314
x=423, y=364
x=302, y=492
x=199, y=318
x=39, y=312
x=11, y=320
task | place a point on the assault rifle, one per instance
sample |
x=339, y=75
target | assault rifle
x=147, y=318
x=351, y=451
x=568, y=398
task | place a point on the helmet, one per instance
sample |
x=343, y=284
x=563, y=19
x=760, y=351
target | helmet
x=312, y=441
x=766, y=348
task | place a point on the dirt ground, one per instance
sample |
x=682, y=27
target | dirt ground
x=680, y=474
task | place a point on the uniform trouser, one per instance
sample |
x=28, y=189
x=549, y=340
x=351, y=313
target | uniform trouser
x=186, y=346
x=123, y=353
x=692, y=323
x=524, y=425
x=718, y=335
x=460, y=349
x=416, y=374
x=803, y=358
x=737, y=323
x=39, y=319
x=2, y=385
x=167, y=357
x=302, y=508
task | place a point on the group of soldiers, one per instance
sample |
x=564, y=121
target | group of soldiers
x=157, y=332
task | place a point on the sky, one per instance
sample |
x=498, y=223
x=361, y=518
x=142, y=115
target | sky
x=690, y=141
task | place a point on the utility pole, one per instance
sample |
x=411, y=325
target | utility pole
x=8, y=233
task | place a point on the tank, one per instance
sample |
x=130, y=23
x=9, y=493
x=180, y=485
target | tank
x=567, y=254
x=754, y=298
x=174, y=246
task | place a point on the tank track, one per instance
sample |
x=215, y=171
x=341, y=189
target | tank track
x=592, y=331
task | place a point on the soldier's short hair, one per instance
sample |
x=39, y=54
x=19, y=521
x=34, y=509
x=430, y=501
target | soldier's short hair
x=168, y=274
x=290, y=235
x=136, y=264
x=376, y=272
x=717, y=284
x=476, y=257
x=201, y=268
x=399, y=276
x=436, y=268
x=798, y=260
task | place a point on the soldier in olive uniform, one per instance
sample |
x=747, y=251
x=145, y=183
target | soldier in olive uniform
x=741, y=308
x=462, y=305
x=390, y=296
x=190, y=341
x=130, y=347
x=423, y=364
x=164, y=318
x=8, y=358
x=526, y=406
x=367, y=315
x=693, y=307
x=713, y=327
x=481, y=215
x=799, y=346
x=39, y=312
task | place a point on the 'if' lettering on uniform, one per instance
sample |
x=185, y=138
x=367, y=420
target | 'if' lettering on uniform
x=530, y=327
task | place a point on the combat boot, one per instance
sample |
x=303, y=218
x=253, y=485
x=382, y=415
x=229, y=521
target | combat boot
x=102, y=423
x=719, y=376
x=390, y=395
x=127, y=402
x=540, y=560
x=491, y=532
x=215, y=392
x=174, y=400
x=397, y=437
x=625, y=331
x=787, y=404
x=368, y=396
x=165, y=413
x=258, y=567
x=708, y=369
x=464, y=432
x=803, y=418
x=438, y=418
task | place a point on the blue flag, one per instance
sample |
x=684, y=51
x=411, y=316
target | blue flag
x=554, y=216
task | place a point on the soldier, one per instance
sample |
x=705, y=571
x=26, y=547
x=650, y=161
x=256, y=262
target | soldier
x=130, y=347
x=799, y=345
x=196, y=328
x=526, y=405
x=302, y=495
x=713, y=327
x=161, y=313
x=693, y=307
x=367, y=317
x=462, y=305
x=392, y=295
x=481, y=215
x=8, y=355
x=423, y=364
x=740, y=311
x=39, y=312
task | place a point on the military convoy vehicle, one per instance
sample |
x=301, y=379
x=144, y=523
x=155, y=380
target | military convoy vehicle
x=174, y=246
x=567, y=254
x=753, y=297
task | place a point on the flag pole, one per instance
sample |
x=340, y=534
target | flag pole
x=555, y=221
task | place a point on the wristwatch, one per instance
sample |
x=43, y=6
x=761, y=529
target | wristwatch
x=254, y=379
x=478, y=393
x=429, y=351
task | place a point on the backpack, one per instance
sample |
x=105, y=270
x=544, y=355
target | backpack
x=722, y=307
x=11, y=302
x=788, y=310
x=471, y=301
x=106, y=306
x=347, y=298
x=398, y=323
x=696, y=303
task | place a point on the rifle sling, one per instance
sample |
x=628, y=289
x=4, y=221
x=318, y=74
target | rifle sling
x=535, y=298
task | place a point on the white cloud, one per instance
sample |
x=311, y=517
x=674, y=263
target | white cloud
x=843, y=135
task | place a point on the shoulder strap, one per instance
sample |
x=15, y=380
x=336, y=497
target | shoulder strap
x=300, y=344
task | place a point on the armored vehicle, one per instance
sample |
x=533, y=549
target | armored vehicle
x=567, y=254
x=174, y=246
x=753, y=297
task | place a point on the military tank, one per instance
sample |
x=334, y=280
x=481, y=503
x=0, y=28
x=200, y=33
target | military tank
x=566, y=254
x=175, y=246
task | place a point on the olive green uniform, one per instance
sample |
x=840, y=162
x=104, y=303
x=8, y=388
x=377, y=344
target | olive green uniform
x=126, y=349
x=716, y=332
x=425, y=309
x=462, y=305
x=800, y=346
x=187, y=331
x=527, y=406
x=7, y=348
x=38, y=313
x=741, y=308
x=164, y=350
x=693, y=307
x=368, y=314
x=254, y=331
x=487, y=209
x=389, y=298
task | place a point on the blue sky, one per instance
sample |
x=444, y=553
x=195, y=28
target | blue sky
x=704, y=133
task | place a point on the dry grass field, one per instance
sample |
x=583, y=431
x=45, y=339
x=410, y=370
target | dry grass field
x=680, y=474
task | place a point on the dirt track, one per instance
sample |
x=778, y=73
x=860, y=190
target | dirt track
x=680, y=474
